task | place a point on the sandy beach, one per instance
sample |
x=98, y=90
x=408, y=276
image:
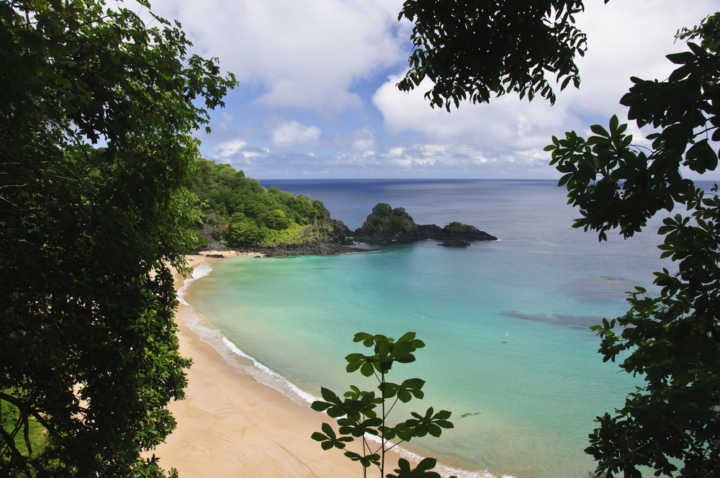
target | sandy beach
x=230, y=425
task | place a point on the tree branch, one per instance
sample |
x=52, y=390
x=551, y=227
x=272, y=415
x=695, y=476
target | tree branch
x=28, y=411
x=391, y=407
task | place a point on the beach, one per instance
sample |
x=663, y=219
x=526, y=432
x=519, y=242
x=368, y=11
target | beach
x=230, y=425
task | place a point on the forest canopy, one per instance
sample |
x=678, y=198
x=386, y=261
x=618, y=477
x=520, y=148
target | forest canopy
x=241, y=212
x=98, y=113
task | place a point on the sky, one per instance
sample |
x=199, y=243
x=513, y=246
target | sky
x=317, y=95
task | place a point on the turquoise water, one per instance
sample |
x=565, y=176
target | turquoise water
x=506, y=325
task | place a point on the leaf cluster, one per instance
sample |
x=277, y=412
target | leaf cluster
x=473, y=50
x=384, y=220
x=672, y=423
x=616, y=184
x=422, y=470
x=386, y=351
x=362, y=413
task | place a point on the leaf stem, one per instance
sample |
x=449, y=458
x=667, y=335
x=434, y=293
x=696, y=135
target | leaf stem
x=385, y=415
x=396, y=444
x=382, y=430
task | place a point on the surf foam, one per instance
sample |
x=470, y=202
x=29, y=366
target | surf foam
x=198, y=272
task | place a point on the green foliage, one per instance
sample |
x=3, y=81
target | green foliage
x=421, y=471
x=319, y=210
x=244, y=214
x=243, y=232
x=398, y=224
x=371, y=225
x=200, y=244
x=672, y=341
x=275, y=219
x=386, y=220
x=30, y=438
x=615, y=184
x=473, y=50
x=295, y=234
x=363, y=413
x=459, y=228
x=382, y=209
x=88, y=349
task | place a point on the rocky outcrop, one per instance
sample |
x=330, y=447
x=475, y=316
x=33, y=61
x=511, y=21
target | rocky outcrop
x=386, y=225
x=315, y=248
x=458, y=243
x=339, y=233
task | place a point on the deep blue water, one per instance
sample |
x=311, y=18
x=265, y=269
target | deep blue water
x=506, y=322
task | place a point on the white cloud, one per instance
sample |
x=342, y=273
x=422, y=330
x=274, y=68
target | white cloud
x=437, y=155
x=625, y=38
x=303, y=53
x=629, y=39
x=228, y=149
x=363, y=140
x=236, y=152
x=505, y=124
x=292, y=133
x=432, y=149
x=310, y=54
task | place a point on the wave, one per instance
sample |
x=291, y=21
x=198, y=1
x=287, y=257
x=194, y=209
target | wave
x=198, y=272
x=267, y=376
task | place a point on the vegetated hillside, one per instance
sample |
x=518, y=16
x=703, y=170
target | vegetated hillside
x=240, y=213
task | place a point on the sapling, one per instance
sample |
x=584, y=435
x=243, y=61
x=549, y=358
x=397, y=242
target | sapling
x=363, y=413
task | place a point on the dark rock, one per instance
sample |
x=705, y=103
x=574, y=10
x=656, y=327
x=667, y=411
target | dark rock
x=216, y=256
x=386, y=225
x=455, y=243
x=315, y=248
x=340, y=233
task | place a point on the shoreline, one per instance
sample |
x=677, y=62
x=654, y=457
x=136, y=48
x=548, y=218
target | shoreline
x=231, y=424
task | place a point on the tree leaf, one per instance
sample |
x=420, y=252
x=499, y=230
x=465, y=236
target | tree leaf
x=442, y=415
x=329, y=395
x=328, y=430
x=681, y=58
x=599, y=130
x=319, y=406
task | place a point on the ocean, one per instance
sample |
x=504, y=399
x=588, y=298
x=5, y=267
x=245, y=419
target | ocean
x=506, y=323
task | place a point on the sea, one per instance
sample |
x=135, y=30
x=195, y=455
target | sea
x=506, y=323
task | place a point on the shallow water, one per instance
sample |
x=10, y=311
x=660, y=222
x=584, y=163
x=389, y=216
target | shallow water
x=506, y=322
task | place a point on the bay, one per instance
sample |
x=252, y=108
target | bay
x=506, y=322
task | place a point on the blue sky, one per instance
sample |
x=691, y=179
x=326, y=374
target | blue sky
x=317, y=95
